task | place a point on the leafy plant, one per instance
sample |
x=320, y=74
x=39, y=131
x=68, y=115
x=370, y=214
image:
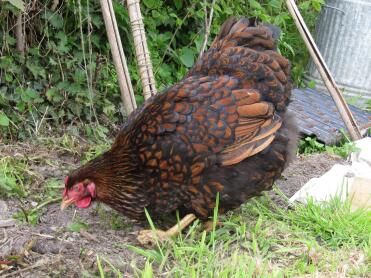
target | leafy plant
x=263, y=239
x=77, y=226
x=310, y=145
x=14, y=173
x=66, y=77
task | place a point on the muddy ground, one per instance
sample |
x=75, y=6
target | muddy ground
x=66, y=244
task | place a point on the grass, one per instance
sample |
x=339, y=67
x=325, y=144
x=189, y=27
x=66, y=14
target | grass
x=260, y=239
x=264, y=240
x=310, y=145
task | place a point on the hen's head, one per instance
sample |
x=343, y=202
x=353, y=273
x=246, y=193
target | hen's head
x=81, y=193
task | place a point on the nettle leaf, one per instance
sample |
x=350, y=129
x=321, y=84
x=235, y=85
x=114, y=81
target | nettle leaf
x=10, y=40
x=304, y=5
x=187, y=57
x=53, y=94
x=19, y=4
x=29, y=95
x=8, y=77
x=55, y=20
x=97, y=20
x=151, y=3
x=317, y=5
x=62, y=46
x=275, y=4
x=255, y=5
x=4, y=120
x=5, y=62
x=95, y=39
x=77, y=227
x=36, y=69
x=178, y=4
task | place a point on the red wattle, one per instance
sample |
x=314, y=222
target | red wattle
x=84, y=202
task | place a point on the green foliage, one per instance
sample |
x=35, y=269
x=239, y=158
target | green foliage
x=95, y=150
x=264, y=240
x=310, y=145
x=67, y=78
x=77, y=226
x=14, y=174
x=32, y=215
x=19, y=4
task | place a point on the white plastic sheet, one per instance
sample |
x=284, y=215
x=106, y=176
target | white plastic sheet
x=352, y=181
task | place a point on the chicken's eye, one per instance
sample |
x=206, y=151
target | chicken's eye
x=76, y=188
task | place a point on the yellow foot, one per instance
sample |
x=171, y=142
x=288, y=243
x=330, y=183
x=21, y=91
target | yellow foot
x=208, y=225
x=149, y=237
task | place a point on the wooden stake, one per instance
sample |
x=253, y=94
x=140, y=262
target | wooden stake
x=208, y=22
x=118, y=55
x=330, y=83
x=19, y=34
x=141, y=49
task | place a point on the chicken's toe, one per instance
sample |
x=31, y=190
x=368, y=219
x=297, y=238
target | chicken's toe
x=150, y=237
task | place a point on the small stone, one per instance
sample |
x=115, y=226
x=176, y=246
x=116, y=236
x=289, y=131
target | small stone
x=34, y=204
x=48, y=246
x=3, y=209
x=46, y=230
x=5, y=223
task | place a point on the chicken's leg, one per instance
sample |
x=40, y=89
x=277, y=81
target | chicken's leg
x=208, y=225
x=149, y=237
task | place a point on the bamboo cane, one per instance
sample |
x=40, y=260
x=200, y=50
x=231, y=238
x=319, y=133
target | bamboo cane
x=141, y=49
x=118, y=55
x=322, y=68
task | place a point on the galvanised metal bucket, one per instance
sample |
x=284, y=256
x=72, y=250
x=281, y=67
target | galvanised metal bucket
x=343, y=36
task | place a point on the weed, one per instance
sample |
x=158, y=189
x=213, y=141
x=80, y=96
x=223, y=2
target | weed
x=77, y=226
x=14, y=174
x=310, y=145
x=31, y=216
x=263, y=239
x=96, y=150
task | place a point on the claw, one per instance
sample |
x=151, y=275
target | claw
x=149, y=238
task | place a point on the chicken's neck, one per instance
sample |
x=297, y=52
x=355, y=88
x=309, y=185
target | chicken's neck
x=117, y=177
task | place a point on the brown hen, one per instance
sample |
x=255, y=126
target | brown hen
x=223, y=128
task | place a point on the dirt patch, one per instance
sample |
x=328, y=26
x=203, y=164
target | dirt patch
x=301, y=170
x=74, y=238
x=66, y=244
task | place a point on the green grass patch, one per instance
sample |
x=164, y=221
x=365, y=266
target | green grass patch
x=15, y=174
x=311, y=145
x=264, y=240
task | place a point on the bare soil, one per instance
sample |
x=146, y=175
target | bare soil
x=54, y=247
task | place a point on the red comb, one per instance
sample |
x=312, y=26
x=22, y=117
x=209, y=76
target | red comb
x=66, y=180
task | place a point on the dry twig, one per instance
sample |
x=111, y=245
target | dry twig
x=325, y=73
x=40, y=263
x=88, y=236
x=208, y=22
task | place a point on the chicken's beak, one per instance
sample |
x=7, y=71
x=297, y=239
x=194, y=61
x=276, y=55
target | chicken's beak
x=67, y=202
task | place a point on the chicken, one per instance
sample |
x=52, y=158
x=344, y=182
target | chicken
x=222, y=129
